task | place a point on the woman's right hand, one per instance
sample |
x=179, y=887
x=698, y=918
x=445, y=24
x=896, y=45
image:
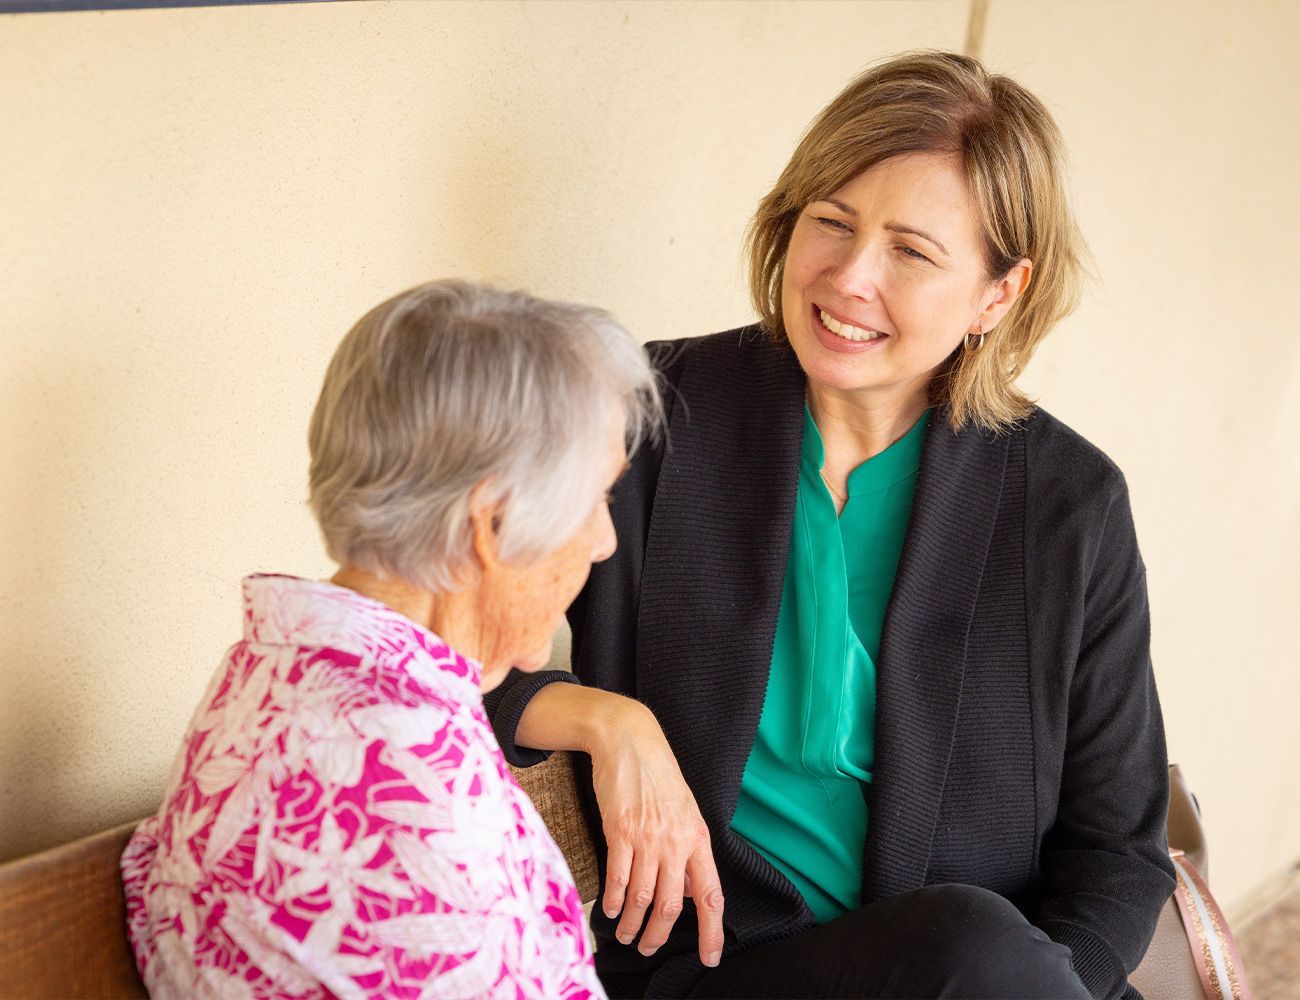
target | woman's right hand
x=659, y=847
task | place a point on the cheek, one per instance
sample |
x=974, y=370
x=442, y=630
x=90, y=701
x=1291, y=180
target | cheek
x=802, y=264
x=524, y=607
x=564, y=578
x=926, y=307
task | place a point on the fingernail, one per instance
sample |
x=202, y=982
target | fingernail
x=624, y=938
x=647, y=952
x=712, y=959
x=610, y=912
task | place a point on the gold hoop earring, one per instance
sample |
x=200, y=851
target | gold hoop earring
x=978, y=343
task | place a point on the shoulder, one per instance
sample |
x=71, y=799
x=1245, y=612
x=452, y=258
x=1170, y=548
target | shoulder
x=1060, y=458
x=746, y=345
x=1077, y=497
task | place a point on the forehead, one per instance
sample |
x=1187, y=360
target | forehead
x=614, y=446
x=927, y=190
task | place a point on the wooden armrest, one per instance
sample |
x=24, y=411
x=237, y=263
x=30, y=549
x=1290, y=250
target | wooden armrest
x=63, y=922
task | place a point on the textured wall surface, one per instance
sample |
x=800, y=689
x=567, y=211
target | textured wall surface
x=195, y=204
x=1184, y=365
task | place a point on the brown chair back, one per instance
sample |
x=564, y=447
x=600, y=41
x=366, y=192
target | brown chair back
x=63, y=922
x=551, y=786
x=1172, y=969
x=1168, y=971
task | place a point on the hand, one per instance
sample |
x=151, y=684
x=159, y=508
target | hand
x=659, y=847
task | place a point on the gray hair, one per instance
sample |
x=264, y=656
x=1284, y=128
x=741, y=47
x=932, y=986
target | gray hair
x=450, y=385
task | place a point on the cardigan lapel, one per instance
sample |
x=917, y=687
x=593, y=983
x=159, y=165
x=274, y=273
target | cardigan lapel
x=923, y=649
x=715, y=557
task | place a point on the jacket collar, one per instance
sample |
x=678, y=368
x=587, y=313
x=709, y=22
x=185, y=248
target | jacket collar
x=923, y=649
x=715, y=556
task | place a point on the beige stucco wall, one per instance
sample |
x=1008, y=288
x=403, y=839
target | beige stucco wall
x=195, y=204
x=1184, y=365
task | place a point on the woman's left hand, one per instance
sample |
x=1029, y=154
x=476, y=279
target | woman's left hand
x=659, y=845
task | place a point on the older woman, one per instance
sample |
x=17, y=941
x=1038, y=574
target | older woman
x=883, y=619
x=339, y=820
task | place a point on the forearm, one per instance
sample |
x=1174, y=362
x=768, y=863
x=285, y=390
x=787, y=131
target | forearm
x=657, y=842
x=573, y=717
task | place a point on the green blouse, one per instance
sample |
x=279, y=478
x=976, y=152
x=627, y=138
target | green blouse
x=802, y=798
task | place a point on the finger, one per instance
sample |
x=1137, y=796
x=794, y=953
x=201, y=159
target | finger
x=618, y=867
x=667, y=907
x=640, y=895
x=707, y=893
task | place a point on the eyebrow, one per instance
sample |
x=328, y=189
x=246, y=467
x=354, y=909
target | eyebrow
x=898, y=227
x=893, y=227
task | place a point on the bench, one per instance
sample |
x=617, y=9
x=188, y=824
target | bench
x=63, y=917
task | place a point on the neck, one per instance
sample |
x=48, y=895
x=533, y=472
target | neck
x=453, y=617
x=855, y=427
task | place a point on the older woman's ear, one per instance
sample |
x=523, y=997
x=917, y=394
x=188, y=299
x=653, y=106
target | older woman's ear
x=486, y=511
x=485, y=524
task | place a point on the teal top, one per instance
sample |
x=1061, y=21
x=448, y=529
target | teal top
x=802, y=798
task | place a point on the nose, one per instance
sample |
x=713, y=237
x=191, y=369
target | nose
x=606, y=541
x=856, y=273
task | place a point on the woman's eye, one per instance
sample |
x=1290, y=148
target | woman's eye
x=835, y=224
x=914, y=254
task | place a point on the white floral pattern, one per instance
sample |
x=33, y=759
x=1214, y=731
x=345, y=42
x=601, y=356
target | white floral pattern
x=340, y=822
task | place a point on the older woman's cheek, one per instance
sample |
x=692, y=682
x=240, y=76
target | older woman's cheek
x=523, y=606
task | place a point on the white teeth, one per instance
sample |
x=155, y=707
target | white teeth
x=845, y=330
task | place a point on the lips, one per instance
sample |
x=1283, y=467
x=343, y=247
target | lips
x=843, y=337
x=848, y=331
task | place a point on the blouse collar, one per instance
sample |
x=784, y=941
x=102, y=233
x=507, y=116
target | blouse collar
x=899, y=461
x=288, y=611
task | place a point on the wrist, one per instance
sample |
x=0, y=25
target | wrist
x=613, y=720
x=576, y=717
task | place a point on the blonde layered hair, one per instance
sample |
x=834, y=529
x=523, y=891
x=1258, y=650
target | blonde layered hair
x=1013, y=158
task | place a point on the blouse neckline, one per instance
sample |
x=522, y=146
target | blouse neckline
x=899, y=461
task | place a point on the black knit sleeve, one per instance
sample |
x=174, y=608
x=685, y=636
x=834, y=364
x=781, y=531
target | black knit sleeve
x=505, y=706
x=1105, y=865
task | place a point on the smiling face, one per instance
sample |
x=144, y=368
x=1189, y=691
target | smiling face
x=521, y=606
x=884, y=278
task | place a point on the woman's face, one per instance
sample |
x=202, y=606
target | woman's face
x=885, y=276
x=522, y=606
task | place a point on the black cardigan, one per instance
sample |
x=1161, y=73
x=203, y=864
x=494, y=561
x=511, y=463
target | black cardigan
x=1019, y=743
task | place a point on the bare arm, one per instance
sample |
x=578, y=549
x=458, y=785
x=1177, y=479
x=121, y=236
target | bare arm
x=571, y=717
x=659, y=847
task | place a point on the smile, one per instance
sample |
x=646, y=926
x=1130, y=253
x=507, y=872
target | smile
x=845, y=330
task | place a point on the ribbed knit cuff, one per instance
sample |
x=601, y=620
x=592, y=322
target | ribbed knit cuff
x=505, y=706
x=1095, y=962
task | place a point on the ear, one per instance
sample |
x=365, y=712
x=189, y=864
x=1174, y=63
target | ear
x=484, y=517
x=1002, y=294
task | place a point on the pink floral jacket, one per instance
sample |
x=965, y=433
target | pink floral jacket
x=340, y=822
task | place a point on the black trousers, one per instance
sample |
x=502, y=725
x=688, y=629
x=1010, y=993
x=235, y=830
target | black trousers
x=940, y=941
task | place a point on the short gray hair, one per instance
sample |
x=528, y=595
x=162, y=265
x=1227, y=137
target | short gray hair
x=451, y=384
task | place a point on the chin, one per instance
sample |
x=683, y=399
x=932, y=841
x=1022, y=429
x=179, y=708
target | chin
x=537, y=661
x=492, y=677
x=833, y=371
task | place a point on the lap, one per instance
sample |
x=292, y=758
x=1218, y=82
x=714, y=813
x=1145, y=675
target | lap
x=940, y=941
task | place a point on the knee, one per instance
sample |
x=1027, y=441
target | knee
x=980, y=945
x=958, y=920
